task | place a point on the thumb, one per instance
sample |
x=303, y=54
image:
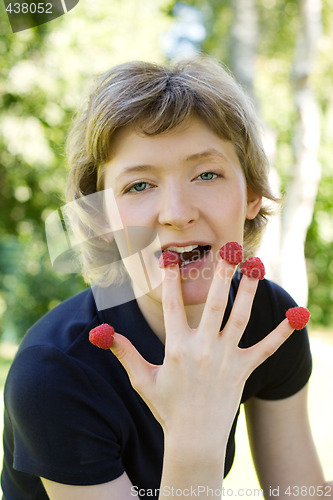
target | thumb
x=140, y=372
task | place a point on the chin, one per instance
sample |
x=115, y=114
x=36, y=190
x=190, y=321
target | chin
x=195, y=292
x=195, y=284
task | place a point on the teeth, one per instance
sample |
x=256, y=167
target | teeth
x=189, y=248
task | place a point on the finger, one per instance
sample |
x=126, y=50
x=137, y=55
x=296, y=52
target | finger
x=140, y=372
x=217, y=298
x=241, y=310
x=267, y=346
x=175, y=320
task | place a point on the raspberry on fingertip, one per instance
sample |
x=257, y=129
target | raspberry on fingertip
x=102, y=336
x=254, y=268
x=298, y=317
x=232, y=252
x=169, y=258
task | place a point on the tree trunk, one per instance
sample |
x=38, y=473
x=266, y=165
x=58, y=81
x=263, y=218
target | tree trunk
x=243, y=43
x=306, y=171
x=282, y=247
x=243, y=49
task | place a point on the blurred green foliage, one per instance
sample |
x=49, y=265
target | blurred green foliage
x=45, y=71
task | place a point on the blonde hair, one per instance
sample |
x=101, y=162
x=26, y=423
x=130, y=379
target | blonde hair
x=155, y=99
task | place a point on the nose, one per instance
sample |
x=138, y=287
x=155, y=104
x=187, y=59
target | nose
x=177, y=208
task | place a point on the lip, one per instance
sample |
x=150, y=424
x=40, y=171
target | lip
x=158, y=253
x=185, y=244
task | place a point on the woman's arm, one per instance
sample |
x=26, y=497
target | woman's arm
x=119, y=489
x=283, y=449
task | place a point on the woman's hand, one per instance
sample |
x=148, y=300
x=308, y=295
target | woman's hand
x=200, y=383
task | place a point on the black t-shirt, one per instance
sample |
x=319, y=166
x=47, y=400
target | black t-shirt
x=71, y=415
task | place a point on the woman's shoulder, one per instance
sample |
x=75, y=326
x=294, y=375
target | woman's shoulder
x=289, y=368
x=269, y=308
x=61, y=325
x=55, y=356
x=270, y=296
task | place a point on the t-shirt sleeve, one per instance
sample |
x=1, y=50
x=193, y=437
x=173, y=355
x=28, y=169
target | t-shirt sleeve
x=62, y=428
x=289, y=368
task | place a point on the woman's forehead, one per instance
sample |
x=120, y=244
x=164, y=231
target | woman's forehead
x=192, y=135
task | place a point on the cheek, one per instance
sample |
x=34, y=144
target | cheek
x=133, y=214
x=229, y=205
x=237, y=210
x=129, y=214
x=238, y=200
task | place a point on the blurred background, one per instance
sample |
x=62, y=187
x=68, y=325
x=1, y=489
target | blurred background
x=279, y=50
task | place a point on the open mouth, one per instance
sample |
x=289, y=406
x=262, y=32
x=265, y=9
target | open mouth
x=190, y=253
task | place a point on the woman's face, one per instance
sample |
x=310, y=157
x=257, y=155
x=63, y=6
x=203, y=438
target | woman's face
x=188, y=186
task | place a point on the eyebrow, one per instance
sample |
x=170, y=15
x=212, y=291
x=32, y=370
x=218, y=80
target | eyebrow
x=209, y=153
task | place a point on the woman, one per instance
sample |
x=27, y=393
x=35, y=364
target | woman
x=177, y=151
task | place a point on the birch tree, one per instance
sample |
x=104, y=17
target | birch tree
x=243, y=43
x=306, y=171
x=282, y=247
x=244, y=39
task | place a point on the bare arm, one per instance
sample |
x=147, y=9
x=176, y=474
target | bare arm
x=119, y=489
x=283, y=449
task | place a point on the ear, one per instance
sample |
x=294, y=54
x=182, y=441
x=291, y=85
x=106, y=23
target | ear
x=253, y=204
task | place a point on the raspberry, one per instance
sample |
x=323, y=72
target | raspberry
x=253, y=268
x=169, y=258
x=102, y=336
x=232, y=252
x=298, y=317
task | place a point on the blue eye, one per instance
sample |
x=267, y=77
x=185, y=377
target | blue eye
x=138, y=187
x=207, y=176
